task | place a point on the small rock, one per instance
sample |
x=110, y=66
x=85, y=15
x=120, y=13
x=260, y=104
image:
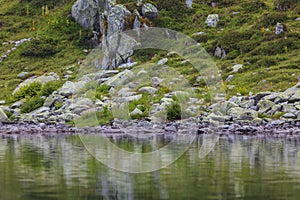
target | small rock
x=136, y=111
x=150, y=90
x=229, y=78
x=162, y=61
x=289, y=116
x=212, y=20
x=2, y=102
x=238, y=67
x=279, y=28
x=22, y=74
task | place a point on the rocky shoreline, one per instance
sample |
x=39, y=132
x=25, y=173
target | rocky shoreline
x=144, y=128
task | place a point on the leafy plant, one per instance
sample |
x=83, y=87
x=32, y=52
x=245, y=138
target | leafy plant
x=49, y=87
x=174, y=111
x=28, y=91
x=31, y=104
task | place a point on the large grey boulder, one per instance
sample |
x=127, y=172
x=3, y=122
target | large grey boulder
x=41, y=79
x=265, y=105
x=149, y=11
x=70, y=88
x=87, y=12
x=116, y=19
x=238, y=113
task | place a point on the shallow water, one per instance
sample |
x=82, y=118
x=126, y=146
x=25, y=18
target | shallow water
x=59, y=167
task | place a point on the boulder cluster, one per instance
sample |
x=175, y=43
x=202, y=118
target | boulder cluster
x=107, y=18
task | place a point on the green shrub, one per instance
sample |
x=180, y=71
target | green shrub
x=42, y=47
x=31, y=104
x=28, y=91
x=49, y=87
x=284, y=5
x=174, y=111
x=102, y=90
x=105, y=116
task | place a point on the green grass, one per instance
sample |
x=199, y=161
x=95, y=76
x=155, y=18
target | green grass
x=57, y=40
x=271, y=62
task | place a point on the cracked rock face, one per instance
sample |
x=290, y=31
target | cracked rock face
x=86, y=12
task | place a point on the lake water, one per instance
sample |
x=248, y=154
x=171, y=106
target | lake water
x=59, y=167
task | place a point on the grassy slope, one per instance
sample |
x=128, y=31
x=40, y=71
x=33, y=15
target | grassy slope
x=56, y=31
x=271, y=62
x=265, y=56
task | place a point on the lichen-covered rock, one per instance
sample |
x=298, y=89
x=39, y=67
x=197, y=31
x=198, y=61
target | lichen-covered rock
x=41, y=79
x=109, y=4
x=238, y=113
x=87, y=12
x=136, y=23
x=70, y=88
x=3, y=116
x=116, y=19
x=212, y=20
x=120, y=79
x=265, y=105
x=149, y=11
x=150, y=90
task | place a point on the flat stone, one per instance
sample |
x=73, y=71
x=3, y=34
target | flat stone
x=150, y=90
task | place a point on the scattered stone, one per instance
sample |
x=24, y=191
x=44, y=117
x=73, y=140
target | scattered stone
x=229, y=78
x=236, y=68
x=69, y=88
x=150, y=90
x=212, y=20
x=120, y=79
x=219, y=52
x=2, y=102
x=136, y=111
x=23, y=75
x=162, y=61
x=279, y=28
x=189, y=3
x=289, y=116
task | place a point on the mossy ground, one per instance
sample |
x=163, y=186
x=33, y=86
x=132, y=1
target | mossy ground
x=271, y=62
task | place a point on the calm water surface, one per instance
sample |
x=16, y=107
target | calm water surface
x=41, y=167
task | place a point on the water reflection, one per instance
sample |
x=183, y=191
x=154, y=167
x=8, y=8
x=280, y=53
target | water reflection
x=40, y=167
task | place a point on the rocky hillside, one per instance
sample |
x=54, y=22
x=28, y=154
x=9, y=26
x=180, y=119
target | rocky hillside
x=255, y=44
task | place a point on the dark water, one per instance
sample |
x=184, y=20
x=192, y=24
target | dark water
x=39, y=167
